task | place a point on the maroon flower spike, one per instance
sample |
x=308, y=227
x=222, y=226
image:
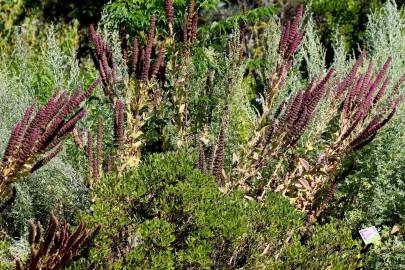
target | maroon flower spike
x=60, y=108
x=366, y=84
x=159, y=61
x=295, y=43
x=396, y=87
x=92, y=32
x=88, y=91
x=53, y=140
x=357, y=120
x=27, y=117
x=295, y=103
x=381, y=91
x=284, y=117
x=371, y=129
x=135, y=55
x=99, y=143
x=151, y=32
x=67, y=107
x=96, y=39
x=12, y=144
x=119, y=124
x=351, y=76
x=124, y=43
x=295, y=24
x=318, y=92
x=89, y=149
x=108, y=164
x=18, y=134
x=308, y=91
x=293, y=114
x=299, y=127
x=377, y=80
x=284, y=37
x=190, y=15
x=28, y=146
x=59, y=102
x=357, y=90
x=48, y=158
x=290, y=37
x=104, y=66
x=383, y=70
x=95, y=169
x=51, y=132
x=99, y=46
x=103, y=73
x=68, y=127
x=298, y=121
x=148, y=50
x=169, y=11
x=350, y=96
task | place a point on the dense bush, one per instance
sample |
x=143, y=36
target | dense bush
x=168, y=215
x=350, y=23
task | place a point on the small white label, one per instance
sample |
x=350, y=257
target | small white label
x=370, y=235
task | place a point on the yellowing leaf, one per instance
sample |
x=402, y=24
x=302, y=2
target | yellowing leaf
x=304, y=164
x=235, y=158
x=305, y=184
x=182, y=108
x=396, y=228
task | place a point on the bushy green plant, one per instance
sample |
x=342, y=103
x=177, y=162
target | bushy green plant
x=348, y=17
x=10, y=10
x=40, y=63
x=9, y=249
x=65, y=11
x=167, y=215
x=135, y=14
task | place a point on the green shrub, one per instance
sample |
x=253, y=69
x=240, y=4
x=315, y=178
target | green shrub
x=167, y=215
x=135, y=14
x=11, y=249
x=349, y=17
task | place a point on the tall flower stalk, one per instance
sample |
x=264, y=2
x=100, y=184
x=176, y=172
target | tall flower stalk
x=272, y=161
x=37, y=137
x=131, y=107
x=57, y=247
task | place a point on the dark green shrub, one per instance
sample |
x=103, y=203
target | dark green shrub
x=166, y=215
x=349, y=17
x=135, y=14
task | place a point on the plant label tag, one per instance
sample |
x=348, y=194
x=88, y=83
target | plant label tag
x=370, y=235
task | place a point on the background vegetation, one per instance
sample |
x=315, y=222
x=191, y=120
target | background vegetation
x=166, y=209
